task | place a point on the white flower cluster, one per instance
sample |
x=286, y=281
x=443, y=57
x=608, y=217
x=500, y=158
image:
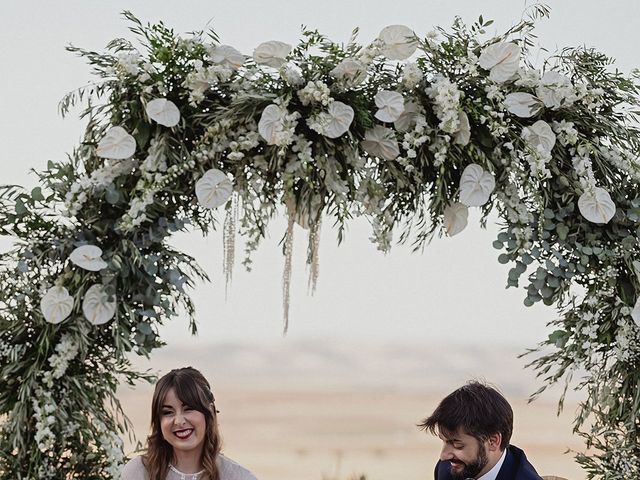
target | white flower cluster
x=66, y=350
x=494, y=92
x=315, y=92
x=291, y=74
x=203, y=78
x=495, y=121
x=592, y=98
x=111, y=444
x=128, y=63
x=303, y=149
x=371, y=51
x=414, y=139
x=245, y=141
x=622, y=160
x=411, y=76
x=155, y=164
x=136, y=214
x=98, y=180
x=286, y=128
x=371, y=195
x=440, y=149
x=44, y=407
x=584, y=169
x=446, y=98
x=627, y=347
x=215, y=140
x=566, y=133
x=12, y=352
x=382, y=232
x=622, y=462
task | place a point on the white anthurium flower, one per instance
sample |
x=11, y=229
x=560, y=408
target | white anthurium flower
x=597, y=206
x=351, y=71
x=408, y=119
x=523, y=105
x=339, y=120
x=271, y=123
x=273, y=53
x=551, y=87
x=163, y=111
x=213, y=189
x=399, y=42
x=540, y=136
x=56, y=304
x=227, y=56
x=390, y=104
x=88, y=257
x=635, y=314
x=456, y=216
x=116, y=144
x=502, y=59
x=96, y=306
x=476, y=186
x=463, y=135
x=381, y=142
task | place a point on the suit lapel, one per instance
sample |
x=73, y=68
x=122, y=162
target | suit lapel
x=508, y=469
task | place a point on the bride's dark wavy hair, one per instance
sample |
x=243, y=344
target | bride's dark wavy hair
x=193, y=390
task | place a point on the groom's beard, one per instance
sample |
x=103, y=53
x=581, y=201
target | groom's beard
x=473, y=468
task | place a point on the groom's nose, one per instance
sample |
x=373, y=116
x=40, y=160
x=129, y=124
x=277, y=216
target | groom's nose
x=446, y=452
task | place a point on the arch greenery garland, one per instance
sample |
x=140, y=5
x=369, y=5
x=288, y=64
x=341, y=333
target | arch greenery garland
x=324, y=130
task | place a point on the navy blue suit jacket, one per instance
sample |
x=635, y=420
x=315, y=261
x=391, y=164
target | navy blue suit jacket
x=515, y=467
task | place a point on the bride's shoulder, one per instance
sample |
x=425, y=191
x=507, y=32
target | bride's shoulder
x=134, y=470
x=230, y=470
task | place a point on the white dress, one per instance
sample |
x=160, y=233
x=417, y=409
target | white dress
x=228, y=469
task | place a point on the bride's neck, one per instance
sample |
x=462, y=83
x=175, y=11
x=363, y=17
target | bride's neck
x=187, y=462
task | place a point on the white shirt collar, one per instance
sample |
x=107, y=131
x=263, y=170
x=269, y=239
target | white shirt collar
x=493, y=473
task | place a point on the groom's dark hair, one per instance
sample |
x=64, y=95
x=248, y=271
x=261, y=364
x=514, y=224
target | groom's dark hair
x=475, y=409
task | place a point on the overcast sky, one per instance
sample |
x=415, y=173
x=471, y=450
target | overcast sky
x=453, y=293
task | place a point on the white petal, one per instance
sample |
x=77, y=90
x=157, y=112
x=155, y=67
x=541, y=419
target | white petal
x=56, y=304
x=88, y=257
x=463, y=135
x=502, y=59
x=540, y=136
x=163, y=111
x=213, y=189
x=381, y=142
x=116, y=144
x=497, y=53
x=409, y=117
x=455, y=218
x=272, y=54
x=523, y=105
x=341, y=118
x=390, y=104
x=227, y=56
x=350, y=70
x=635, y=314
x=96, y=307
x=597, y=206
x=271, y=122
x=399, y=42
x=476, y=186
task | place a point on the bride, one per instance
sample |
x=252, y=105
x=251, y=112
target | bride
x=184, y=443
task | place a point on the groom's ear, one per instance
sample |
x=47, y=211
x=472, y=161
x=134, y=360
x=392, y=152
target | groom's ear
x=493, y=442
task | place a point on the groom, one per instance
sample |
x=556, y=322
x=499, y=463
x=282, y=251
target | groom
x=475, y=424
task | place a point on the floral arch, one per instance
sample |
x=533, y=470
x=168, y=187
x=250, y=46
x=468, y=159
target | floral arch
x=409, y=132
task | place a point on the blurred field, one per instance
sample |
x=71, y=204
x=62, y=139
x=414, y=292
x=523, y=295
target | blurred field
x=305, y=412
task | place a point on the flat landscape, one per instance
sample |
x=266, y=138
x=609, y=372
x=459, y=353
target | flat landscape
x=308, y=411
